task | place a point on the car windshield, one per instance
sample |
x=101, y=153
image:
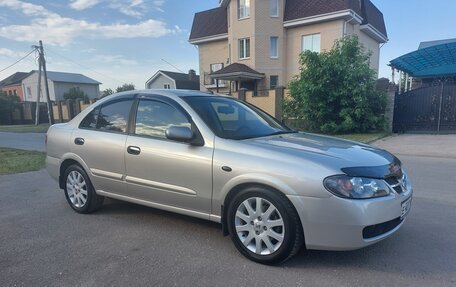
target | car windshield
x=232, y=119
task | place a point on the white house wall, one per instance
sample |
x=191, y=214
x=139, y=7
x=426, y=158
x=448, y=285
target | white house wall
x=30, y=84
x=160, y=81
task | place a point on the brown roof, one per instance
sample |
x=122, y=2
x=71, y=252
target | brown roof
x=214, y=22
x=14, y=79
x=297, y=9
x=209, y=23
x=371, y=15
x=236, y=68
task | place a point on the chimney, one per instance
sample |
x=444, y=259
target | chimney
x=191, y=75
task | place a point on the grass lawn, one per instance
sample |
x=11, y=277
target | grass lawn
x=25, y=128
x=364, y=138
x=17, y=161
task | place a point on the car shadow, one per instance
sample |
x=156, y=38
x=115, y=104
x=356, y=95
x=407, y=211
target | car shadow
x=408, y=252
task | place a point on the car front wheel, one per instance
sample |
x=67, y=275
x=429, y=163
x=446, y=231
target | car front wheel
x=264, y=226
x=79, y=191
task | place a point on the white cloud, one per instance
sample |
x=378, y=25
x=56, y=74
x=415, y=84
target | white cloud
x=115, y=59
x=10, y=53
x=83, y=4
x=57, y=30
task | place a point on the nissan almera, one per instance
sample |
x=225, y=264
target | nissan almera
x=272, y=189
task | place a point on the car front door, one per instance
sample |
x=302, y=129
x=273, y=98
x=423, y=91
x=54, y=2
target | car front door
x=165, y=172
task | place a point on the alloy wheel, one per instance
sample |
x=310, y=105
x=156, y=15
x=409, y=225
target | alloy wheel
x=76, y=189
x=259, y=226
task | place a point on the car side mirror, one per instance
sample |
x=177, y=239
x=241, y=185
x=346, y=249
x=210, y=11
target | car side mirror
x=179, y=133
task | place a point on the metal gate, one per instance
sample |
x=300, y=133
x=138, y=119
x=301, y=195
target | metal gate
x=429, y=109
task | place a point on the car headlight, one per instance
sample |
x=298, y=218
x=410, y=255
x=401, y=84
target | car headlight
x=356, y=187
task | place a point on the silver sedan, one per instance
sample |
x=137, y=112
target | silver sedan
x=272, y=189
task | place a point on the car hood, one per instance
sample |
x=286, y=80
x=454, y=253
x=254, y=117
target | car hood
x=352, y=158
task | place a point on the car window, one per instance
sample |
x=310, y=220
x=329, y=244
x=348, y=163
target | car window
x=114, y=116
x=90, y=121
x=153, y=118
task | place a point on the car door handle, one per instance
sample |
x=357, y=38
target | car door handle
x=133, y=150
x=79, y=141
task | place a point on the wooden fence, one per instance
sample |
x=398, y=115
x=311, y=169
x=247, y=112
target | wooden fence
x=63, y=111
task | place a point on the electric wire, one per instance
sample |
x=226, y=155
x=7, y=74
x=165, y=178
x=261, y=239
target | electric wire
x=85, y=67
x=17, y=61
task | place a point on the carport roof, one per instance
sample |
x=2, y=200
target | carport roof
x=431, y=60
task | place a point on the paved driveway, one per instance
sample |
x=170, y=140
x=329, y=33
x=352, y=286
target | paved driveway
x=28, y=141
x=420, y=145
x=43, y=242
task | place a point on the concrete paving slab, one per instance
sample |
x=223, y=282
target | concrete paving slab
x=419, y=145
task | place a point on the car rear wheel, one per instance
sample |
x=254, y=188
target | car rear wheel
x=264, y=226
x=79, y=191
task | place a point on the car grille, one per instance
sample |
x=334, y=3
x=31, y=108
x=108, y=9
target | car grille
x=372, y=231
x=398, y=184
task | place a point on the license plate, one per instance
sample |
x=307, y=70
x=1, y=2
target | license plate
x=406, y=207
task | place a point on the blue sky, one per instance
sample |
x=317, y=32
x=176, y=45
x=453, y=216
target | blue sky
x=124, y=41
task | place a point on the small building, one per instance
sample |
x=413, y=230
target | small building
x=59, y=84
x=13, y=85
x=173, y=80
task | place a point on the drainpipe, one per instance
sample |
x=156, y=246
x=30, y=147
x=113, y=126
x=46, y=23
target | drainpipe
x=346, y=22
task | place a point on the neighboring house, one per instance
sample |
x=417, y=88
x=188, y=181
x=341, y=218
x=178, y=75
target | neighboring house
x=59, y=84
x=265, y=38
x=173, y=80
x=13, y=84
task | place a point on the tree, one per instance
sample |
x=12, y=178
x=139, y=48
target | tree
x=335, y=91
x=125, y=87
x=75, y=93
x=8, y=103
x=106, y=92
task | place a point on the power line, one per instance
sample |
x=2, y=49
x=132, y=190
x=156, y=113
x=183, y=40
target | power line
x=179, y=70
x=85, y=67
x=18, y=61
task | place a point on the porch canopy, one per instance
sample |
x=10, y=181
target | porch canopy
x=432, y=60
x=241, y=73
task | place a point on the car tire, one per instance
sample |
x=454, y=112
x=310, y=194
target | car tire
x=79, y=190
x=269, y=235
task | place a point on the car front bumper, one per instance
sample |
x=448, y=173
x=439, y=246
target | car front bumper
x=336, y=223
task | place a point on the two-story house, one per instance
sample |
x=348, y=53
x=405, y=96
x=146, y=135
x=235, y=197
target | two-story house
x=255, y=44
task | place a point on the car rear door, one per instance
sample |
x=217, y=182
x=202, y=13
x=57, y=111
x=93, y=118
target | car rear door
x=165, y=172
x=100, y=142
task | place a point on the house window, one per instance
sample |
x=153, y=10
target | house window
x=244, y=48
x=274, y=8
x=29, y=92
x=273, y=82
x=214, y=68
x=15, y=92
x=243, y=9
x=311, y=43
x=274, y=47
x=167, y=86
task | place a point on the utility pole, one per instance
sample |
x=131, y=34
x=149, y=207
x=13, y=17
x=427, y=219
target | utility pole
x=42, y=66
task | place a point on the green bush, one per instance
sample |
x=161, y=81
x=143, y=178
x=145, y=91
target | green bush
x=335, y=91
x=75, y=93
x=8, y=103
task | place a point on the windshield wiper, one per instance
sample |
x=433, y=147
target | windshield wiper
x=282, y=133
